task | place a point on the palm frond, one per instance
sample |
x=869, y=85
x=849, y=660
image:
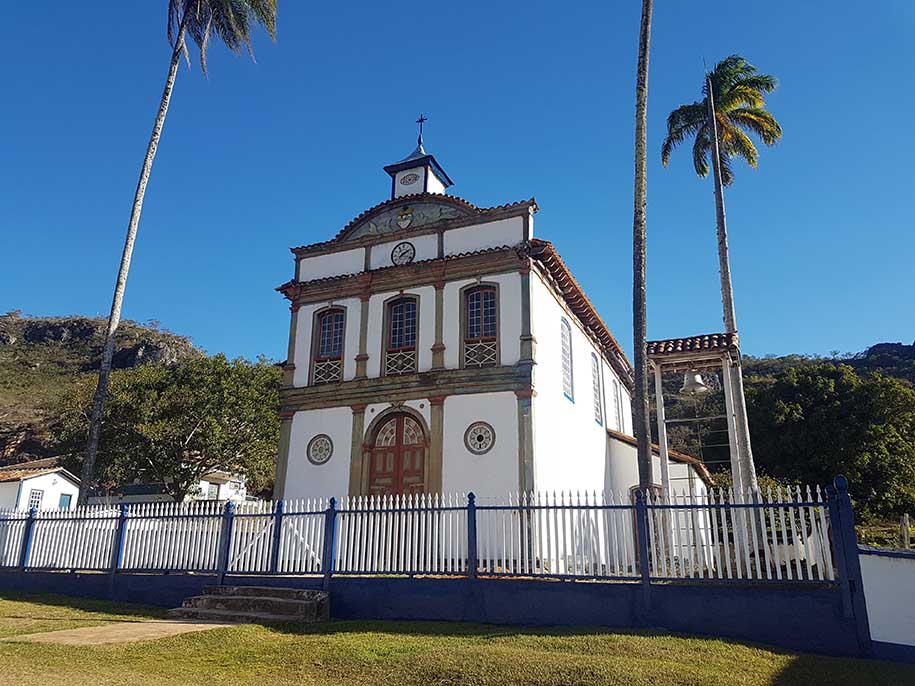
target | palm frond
x=701, y=147
x=738, y=144
x=230, y=20
x=682, y=122
x=758, y=121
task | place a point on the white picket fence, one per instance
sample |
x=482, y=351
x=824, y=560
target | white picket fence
x=714, y=535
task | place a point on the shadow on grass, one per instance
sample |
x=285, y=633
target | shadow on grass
x=807, y=670
x=88, y=605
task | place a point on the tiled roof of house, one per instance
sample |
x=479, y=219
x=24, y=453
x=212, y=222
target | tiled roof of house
x=27, y=470
x=706, y=342
x=42, y=463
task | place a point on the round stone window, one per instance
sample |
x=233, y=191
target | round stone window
x=479, y=438
x=320, y=448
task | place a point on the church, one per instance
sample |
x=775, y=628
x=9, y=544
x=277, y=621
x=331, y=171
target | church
x=440, y=347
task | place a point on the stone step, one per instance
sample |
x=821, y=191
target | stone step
x=298, y=609
x=227, y=616
x=266, y=592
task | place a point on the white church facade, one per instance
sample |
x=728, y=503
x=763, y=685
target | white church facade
x=440, y=347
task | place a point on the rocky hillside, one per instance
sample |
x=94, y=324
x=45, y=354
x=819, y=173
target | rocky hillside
x=42, y=358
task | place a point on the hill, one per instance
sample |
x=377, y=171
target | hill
x=43, y=358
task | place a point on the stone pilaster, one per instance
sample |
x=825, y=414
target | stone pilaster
x=356, y=455
x=363, y=357
x=436, y=444
x=528, y=342
x=282, y=455
x=289, y=367
x=526, y=480
x=438, y=349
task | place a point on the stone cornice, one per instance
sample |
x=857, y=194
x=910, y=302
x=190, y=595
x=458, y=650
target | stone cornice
x=431, y=384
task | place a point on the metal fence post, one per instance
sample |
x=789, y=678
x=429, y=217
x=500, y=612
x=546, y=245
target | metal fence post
x=641, y=525
x=277, y=535
x=838, y=546
x=327, y=558
x=117, y=557
x=852, y=564
x=27, y=535
x=225, y=542
x=472, y=535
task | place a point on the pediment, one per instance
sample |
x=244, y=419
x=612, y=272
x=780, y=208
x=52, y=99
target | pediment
x=407, y=213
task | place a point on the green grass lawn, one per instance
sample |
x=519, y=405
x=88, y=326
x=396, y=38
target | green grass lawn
x=400, y=654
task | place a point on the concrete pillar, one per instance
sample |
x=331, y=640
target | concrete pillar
x=438, y=348
x=363, y=357
x=662, y=431
x=289, y=367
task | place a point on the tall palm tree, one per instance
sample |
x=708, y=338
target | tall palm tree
x=733, y=107
x=641, y=426
x=232, y=22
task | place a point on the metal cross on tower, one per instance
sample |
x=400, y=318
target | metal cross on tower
x=422, y=120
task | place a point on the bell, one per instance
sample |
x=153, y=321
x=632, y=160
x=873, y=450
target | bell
x=693, y=383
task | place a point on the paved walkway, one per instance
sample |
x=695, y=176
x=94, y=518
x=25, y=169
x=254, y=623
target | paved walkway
x=122, y=632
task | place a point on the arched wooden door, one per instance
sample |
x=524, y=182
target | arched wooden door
x=398, y=457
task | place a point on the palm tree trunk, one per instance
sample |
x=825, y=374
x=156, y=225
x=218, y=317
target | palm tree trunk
x=744, y=449
x=640, y=413
x=114, y=318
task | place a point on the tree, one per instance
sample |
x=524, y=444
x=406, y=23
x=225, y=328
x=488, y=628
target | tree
x=639, y=237
x=733, y=107
x=174, y=425
x=816, y=421
x=231, y=21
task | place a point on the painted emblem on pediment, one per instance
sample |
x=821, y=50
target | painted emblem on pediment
x=407, y=217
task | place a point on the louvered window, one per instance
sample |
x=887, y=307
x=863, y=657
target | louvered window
x=567, y=384
x=400, y=352
x=328, y=358
x=595, y=383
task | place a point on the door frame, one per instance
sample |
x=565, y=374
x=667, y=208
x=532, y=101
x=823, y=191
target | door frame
x=368, y=443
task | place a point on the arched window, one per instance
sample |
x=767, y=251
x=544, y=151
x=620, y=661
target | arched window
x=481, y=327
x=617, y=405
x=567, y=385
x=598, y=396
x=327, y=358
x=400, y=337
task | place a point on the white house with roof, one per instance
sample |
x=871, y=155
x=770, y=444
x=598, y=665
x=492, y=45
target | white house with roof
x=41, y=484
x=440, y=347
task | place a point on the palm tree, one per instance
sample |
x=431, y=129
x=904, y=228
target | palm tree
x=232, y=22
x=733, y=107
x=640, y=413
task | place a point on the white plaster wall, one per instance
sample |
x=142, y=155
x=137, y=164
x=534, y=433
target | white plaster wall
x=8, y=495
x=426, y=249
x=888, y=592
x=509, y=318
x=497, y=472
x=569, y=444
x=415, y=187
x=489, y=235
x=303, y=335
x=332, y=264
x=426, y=331
x=435, y=184
x=53, y=485
x=306, y=480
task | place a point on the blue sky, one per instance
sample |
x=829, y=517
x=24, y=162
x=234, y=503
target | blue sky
x=524, y=99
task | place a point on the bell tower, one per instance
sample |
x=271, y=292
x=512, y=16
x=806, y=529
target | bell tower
x=419, y=172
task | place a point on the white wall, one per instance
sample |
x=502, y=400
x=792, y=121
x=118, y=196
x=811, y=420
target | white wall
x=426, y=249
x=623, y=470
x=497, y=472
x=479, y=236
x=306, y=480
x=570, y=445
x=332, y=264
x=888, y=583
x=9, y=492
x=303, y=336
x=53, y=486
